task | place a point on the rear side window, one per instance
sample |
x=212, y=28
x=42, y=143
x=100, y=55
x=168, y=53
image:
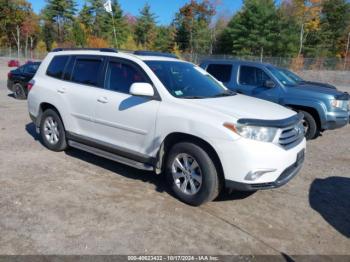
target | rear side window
x=86, y=71
x=220, y=72
x=120, y=77
x=249, y=75
x=57, y=66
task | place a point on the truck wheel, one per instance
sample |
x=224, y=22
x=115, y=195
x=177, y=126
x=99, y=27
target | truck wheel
x=19, y=92
x=192, y=174
x=310, y=126
x=52, y=131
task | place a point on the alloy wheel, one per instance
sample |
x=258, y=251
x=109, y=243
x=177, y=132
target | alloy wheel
x=18, y=92
x=51, y=131
x=187, y=174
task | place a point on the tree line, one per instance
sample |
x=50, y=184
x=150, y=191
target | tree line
x=291, y=28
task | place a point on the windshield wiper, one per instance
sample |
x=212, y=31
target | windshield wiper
x=226, y=93
x=192, y=97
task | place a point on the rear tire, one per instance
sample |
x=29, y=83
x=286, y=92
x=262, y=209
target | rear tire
x=52, y=131
x=311, y=129
x=192, y=174
x=19, y=92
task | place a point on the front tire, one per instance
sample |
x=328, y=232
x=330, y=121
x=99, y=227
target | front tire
x=310, y=126
x=19, y=92
x=52, y=131
x=192, y=174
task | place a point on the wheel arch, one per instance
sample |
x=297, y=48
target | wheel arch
x=311, y=110
x=42, y=108
x=173, y=138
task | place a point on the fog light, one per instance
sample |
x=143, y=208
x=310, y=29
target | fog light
x=254, y=175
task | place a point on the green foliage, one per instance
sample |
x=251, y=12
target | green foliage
x=102, y=22
x=145, y=27
x=285, y=28
x=12, y=15
x=78, y=36
x=86, y=17
x=254, y=30
x=164, y=41
x=48, y=34
x=61, y=14
x=192, y=26
x=335, y=19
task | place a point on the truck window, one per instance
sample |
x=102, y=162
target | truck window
x=253, y=76
x=220, y=72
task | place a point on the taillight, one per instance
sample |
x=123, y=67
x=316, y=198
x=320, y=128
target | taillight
x=9, y=75
x=30, y=84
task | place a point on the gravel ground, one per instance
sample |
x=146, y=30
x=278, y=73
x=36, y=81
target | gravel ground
x=77, y=203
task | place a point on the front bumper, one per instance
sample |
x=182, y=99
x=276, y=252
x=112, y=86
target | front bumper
x=283, y=179
x=337, y=120
x=241, y=157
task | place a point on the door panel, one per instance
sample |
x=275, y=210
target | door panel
x=251, y=82
x=80, y=99
x=126, y=121
x=80, y=89
x=122, y=119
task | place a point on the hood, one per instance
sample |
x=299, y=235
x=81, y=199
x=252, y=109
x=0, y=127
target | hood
x=241, y=106
x=315, y=89
x=318, y=84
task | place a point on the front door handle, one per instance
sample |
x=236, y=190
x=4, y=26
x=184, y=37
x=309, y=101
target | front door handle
x=61, y=91
x=102, y=100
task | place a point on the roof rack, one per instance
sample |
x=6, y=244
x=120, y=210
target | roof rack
x=154, y=53
x=112, y=50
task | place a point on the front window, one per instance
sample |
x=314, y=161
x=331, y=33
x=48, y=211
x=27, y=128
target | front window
x=185, y=80
x=282, y=76
x=121, y=76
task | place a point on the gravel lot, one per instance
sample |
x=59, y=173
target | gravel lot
x=77, y=203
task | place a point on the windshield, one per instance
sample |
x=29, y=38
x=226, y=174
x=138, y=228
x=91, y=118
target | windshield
x=282, y=76
x=185, y=80
x=292, y=75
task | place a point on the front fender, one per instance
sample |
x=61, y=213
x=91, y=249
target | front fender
x=318, y=105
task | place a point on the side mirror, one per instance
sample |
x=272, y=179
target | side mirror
x=141, y=89
x=269, y=84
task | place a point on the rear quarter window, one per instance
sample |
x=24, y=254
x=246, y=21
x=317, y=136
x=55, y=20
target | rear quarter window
x=57, y=66
x=220, y=72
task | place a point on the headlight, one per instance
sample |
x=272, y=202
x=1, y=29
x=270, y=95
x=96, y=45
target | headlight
x=341, y=104
x=259, y=133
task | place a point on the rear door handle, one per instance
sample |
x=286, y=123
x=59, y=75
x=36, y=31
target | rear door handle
x=61, y=90
x=102, y=100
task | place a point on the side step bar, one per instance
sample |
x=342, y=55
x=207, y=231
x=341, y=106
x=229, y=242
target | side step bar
x=110, y=156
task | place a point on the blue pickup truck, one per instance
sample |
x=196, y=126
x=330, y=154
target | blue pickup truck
x=324, y=108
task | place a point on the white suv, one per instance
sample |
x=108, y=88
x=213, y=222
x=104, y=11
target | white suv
x=159, y=113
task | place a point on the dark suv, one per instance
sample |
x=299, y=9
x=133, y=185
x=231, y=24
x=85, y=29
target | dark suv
x=324, y=108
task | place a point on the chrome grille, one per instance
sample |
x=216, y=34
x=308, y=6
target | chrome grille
x=291, y=136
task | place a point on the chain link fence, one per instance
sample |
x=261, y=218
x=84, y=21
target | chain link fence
x=12, y=53
x=296, y=64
